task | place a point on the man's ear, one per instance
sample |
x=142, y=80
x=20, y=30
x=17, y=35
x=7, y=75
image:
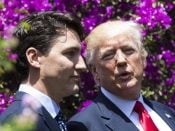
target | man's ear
x=32, y=56
x=95, y=74
x=144, y=63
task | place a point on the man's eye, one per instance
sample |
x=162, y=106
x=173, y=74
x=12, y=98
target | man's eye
x=107, y=56
x=128, y=51
x=70, y=54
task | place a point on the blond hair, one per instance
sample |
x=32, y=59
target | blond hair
x=110, y=29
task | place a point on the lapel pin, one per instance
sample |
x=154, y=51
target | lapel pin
x=167, y=115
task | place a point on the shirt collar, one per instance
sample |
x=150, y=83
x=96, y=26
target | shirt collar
x=126, y=106
x=49, y=104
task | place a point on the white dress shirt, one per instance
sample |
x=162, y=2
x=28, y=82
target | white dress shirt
x=126, y=106
x=49, y=104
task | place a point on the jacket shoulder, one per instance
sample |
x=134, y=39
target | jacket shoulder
x=88, y=119
x=87, y=113
x=13, y=110
x=162, y=107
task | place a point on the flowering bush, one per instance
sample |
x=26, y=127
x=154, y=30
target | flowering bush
x=5, y=100
x=156, y=16
x=27, y=119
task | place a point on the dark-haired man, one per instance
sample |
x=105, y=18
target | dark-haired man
x=48, y=63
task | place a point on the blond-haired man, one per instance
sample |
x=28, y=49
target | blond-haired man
x=117, y=58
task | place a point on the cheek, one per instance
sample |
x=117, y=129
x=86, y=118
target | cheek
x=138, y=66
x=106, y=69
x=65, y=67
x=63, y=62
x=60, y=67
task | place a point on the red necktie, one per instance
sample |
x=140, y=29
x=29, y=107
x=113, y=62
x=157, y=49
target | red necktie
x=144, y=118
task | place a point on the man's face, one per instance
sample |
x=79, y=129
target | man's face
x=119, y=66
x=59, y=69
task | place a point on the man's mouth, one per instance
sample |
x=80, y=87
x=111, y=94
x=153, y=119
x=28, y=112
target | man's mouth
x=76, y=78
x=124, y=76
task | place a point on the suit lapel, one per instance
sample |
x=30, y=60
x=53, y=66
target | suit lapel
x=163, y=112
x=50, y=122
x=112, y=116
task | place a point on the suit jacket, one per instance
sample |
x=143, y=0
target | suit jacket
x=44, y=120
x=103, y=115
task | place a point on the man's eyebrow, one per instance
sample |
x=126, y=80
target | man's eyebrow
x=126, y=46
x=73, y=48
x=103, y=50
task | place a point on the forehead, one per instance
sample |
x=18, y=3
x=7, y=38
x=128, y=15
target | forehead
x=118, y=41
x=69, y=40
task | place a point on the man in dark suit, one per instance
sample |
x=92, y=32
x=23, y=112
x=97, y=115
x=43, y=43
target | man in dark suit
x=48, y=63
x=117, y=58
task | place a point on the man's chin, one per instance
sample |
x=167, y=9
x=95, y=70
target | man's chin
x=128, y=84
x=74, y=90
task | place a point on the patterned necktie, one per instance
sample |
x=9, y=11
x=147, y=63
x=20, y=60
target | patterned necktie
x=61, y=121
x=144, y=118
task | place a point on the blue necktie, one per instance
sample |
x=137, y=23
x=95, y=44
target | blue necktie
x=61, y=121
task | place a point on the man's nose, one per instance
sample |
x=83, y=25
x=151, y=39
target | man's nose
x=120, y=58
x=81, y=66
